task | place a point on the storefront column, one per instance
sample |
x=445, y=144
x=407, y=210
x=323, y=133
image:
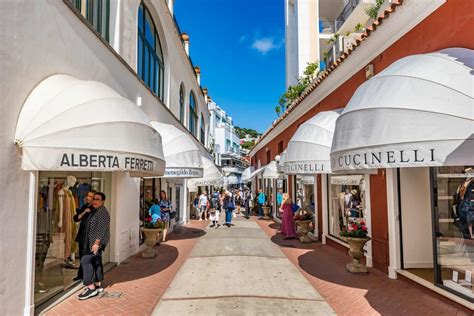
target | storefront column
x=30, y=246
x=316, y=206
x=184, y=203
x=368, y=217
x=325, y=206
x=393, y=223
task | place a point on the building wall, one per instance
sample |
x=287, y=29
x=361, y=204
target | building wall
x=426, y=37
x=40, y=39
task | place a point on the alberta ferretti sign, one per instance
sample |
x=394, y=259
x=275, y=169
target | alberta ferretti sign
x=372, y=159
x=73, y=160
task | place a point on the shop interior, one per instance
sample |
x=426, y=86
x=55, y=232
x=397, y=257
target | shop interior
x=56, y=255
x=347, y=202
x=443, y=253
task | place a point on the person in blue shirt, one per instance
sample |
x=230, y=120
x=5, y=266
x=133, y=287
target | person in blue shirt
x=261, y=199
x=155, y=211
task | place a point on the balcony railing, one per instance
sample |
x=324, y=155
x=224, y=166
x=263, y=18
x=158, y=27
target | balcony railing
x=346, y=12
x=327, y=27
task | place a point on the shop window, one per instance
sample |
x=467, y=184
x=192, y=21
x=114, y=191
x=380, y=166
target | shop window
x=203, y=130
x=453, y=205
x=347, y=200
x=57, y=254
x=193, y=117
x=97, y=13
x=150, y=66
x=181, y=103
x=281, y=187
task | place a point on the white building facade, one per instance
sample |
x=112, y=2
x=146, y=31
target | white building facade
x=132, y=49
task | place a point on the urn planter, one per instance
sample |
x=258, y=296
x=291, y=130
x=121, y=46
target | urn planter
x=266, y=212
x=152, y=236
x=356, y=251
x=304, y=230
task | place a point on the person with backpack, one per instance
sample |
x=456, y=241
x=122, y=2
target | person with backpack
x=214, y=210
x=229, y=206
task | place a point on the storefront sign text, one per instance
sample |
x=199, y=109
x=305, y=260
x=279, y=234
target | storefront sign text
x=183, y=173
x=389, y=157
x=106, y=162
x=302, y=168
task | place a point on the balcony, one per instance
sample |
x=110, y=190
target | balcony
x=352, y=14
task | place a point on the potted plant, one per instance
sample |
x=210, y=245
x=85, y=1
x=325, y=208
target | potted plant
x=355, y=234
x=303, y=218
x=152, y=231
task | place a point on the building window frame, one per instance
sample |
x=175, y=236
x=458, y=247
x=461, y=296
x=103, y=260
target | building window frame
x=203, y=130
x=182, y=107
x=150, y=59
x=193, y=117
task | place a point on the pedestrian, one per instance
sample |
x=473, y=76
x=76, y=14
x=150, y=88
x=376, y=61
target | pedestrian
x=155, y=211
x=81, y=216
x=165, y=208
x=214, y=210
x=96, y=238
x=248, y=198
x=229, y=206
x=203, y=201
x=261, y=199
x=238, y=201
x=287, y=221
x=196, y=206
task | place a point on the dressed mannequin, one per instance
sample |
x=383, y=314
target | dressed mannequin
x=69, y=227
x=464, y=204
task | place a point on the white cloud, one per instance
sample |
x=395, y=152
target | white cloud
x=264, y=45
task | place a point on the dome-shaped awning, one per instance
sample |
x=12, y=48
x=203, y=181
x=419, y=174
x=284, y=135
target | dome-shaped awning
x=309, y=149
x=182, y=155
x=417, y=112
x=247, y=174
x=231, y=179
x=211, y=175
x=67, y=124
x=280, y=159
x=270, y=171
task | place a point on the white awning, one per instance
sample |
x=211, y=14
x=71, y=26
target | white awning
x=309, y=148
x=231, y=180
x=417, y=112
x=270, y=171
x=182, y=155
x=211, y=175
x=281, y=161
x=67, y=124
x=247, y=174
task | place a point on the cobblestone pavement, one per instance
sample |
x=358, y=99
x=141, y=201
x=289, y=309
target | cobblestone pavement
x=141, y=281
x=239, y=271
x=358, y=294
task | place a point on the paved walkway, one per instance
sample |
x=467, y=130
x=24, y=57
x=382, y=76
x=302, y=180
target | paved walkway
x=239, y=271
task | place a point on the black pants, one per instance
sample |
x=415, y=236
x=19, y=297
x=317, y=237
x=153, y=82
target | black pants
x=80, y=272
x=93, y=270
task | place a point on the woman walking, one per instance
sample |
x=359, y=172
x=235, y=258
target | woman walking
x=287, y=221
x=229, y=206
x=165, y=208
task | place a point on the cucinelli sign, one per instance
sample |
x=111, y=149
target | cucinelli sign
x=305, y=168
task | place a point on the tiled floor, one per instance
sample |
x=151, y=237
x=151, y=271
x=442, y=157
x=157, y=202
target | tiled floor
x=358, y=294
x=142, y=281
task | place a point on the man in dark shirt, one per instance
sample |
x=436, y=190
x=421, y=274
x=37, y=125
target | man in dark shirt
x=81, y=216
x=96, y=238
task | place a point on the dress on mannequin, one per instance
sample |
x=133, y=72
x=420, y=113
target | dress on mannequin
x=68, y=222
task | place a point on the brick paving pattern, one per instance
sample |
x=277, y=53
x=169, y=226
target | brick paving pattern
x=142, y=281
x=358, y=294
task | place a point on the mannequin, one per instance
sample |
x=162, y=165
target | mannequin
x=464, y=205
x=66, y=214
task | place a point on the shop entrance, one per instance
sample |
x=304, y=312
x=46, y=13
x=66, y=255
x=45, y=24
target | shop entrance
x=56, y=253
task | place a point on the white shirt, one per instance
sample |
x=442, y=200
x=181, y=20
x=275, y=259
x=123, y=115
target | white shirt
x=203, y=200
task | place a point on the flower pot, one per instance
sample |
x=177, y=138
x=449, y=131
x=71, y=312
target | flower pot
x=304, y=230
x=356, y=251
x=151, y=238
x=266, y=212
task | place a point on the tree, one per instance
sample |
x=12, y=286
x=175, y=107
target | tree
x=241, y=132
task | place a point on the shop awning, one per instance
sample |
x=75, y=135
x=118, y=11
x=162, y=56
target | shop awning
x=182, y=155
x=247, y=174
x=309, y=149
x=67, y=124
x=270, y=171
x=281, y=161
x=231, y=180
x=417, y=112
x=211, y=175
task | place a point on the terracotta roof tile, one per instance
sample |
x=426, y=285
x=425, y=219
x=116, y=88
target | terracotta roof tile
x=372, y=28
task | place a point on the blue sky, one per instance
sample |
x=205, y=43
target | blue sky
x=239, y=45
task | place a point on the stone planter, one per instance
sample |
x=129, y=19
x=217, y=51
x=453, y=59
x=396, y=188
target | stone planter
x=266, y=212
x=356, y=251
x=304, y=230
x=152, y=236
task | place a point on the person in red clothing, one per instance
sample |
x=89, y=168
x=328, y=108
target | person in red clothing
x=287, y=222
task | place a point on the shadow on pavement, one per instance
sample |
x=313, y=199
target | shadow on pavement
x=185, y=233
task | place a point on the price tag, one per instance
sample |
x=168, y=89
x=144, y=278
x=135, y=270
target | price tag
x=455, y=276
x=468, y=276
